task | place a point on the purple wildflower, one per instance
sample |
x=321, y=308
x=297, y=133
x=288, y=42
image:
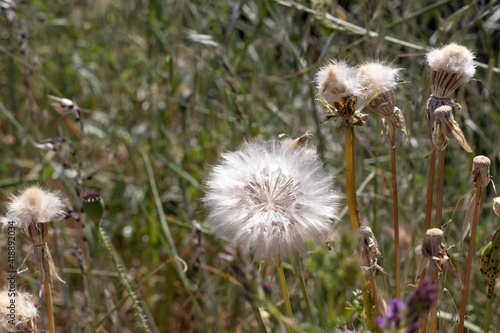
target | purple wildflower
x=392, y=315
x=421, y=302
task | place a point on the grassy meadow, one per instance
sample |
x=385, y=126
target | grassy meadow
x=166, y=86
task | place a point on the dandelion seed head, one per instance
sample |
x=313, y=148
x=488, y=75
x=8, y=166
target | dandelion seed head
x=336, y=81
x=33, y=205
x=377, y=77
x=454, y=59
x=25, y=311
x=269, y=198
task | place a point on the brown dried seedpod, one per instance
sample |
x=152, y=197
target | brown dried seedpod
x=481, y=170
x=435, y=251
x=368, y=251
x=444, y=125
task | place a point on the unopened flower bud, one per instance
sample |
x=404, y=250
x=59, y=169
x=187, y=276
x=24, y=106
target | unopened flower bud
x=481, y=170
x=93, y=206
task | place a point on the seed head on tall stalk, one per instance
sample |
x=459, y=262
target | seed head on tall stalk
x=379, y=80
x=30, y=213
x=268, y=198
x=450, y=66
x=339, y=87
x=481, y=177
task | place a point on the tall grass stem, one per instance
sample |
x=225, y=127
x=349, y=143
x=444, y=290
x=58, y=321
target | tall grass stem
x=258, y=317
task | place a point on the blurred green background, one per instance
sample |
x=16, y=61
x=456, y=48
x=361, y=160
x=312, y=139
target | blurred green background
x=165, y=86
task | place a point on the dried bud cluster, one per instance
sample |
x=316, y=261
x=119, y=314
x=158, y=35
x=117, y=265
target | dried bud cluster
x=435, y=251
x=368, y=251
x=481, y=170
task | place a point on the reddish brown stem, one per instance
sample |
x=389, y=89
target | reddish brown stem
x=430, y=190
x=470, y=254
x=396, y=220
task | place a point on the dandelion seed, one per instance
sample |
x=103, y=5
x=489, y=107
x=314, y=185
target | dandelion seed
x=269, y=198
x=25, y=312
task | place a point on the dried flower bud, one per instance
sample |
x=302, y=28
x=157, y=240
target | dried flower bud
x=435, y=251
x=445, y=125
x=481, y=170
x=368, y=251
x=496, y=205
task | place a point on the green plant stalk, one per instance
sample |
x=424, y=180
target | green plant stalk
x=298, y=268
x=439, y=192
x=111, y=252
x=396, y=221
x=352, y=203
x=470, y=254
x=258, y=317
x=487, y=319
x=50, y=307
x=286, y=297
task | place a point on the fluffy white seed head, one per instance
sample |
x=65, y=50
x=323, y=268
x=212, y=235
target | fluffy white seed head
x=25, y=312
x=336, y=81
x=377, y=77
x=270, y=197
x=33, y=205
x=454, y=59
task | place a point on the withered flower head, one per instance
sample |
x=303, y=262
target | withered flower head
x=445, y=125
x=481, y=170
x=368, y=251
x=435, y=251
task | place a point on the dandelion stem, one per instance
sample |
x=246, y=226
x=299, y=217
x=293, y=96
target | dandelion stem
x=111, y=252
x=352, y=202
x=50, y=309
x=286, y=297
x=487, y=319
x=430, y=190
x=439, y=193
x=470, y=254
x=298, y=268
x=396, y=220
x=258, y=317
x=434, y=308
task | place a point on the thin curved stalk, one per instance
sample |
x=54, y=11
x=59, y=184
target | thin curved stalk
x=298, y=268
x=396, y=220
x=111, y=252
x=470, y=254
x=286, y=297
